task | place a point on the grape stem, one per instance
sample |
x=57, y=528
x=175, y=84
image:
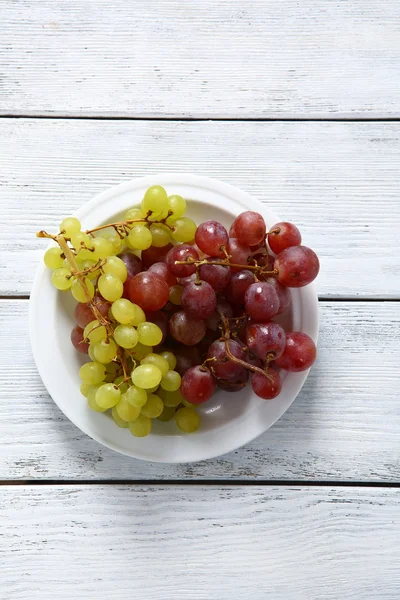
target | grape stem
x=205, y=261
x=69, y=255
x=236, y=360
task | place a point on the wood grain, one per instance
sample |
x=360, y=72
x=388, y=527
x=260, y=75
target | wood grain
x=265, y=58
x=198, y=542
x=344, y=425
x=338, y=181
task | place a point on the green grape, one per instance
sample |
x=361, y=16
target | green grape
x=79, y=238
x=110, y=287
x=91, y=352
x=171, y=399
x=105, y=351
x=84, y=255
x=53, y=259
x=175, y=294
x=169, y=357
x=102, y=247
x=146, y=376
x=126, y=411
x=69, y=226
x=88, y=264
x=117, y=419
x=115, y=240
x=155, y=201
x=94, y=332
x=136, y=396
x=171, y=381
x=79, y=293
x=153, y=407
x=126, y=336
x=124, y=311
x=184, y=230
x=167, y=414
x=187, y=419
x=108, y=395
x=112, y=368
x=153, y=389
x=139, y=237
x=140, y=351
x=160, y=235
x=176, y=205
x=92, y=400
x=159, y=361
x=187, y=403
x=134, y=214
x=92, y=372
x=123, y=385
x=61, y=279
x=141, y=426
x=116, y=267
x=85, y=389
x=149, y=334
x=139, y=316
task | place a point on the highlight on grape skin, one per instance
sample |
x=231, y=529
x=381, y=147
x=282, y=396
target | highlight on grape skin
x=169, y=311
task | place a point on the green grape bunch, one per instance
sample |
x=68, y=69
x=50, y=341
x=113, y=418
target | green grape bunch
x=124, y=378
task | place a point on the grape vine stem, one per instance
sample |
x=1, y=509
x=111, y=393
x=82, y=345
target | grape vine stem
x=236, y=360
x=225, y=263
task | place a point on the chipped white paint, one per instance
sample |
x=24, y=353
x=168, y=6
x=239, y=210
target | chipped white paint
x=343, y=426
x=265, y=58
x=338, y=181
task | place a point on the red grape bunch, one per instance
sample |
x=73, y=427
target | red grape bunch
x=168, y=311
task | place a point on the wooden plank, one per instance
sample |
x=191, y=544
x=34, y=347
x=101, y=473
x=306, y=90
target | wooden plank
x=266, y=58
x=338, y=181
x=344, y=425
x=193, y=542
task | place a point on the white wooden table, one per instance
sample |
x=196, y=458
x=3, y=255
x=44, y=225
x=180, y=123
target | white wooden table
x=297, y=103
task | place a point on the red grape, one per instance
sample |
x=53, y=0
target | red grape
x=159, y=318
x=287, y=236
x=132, y=262
x=185, y=329
x=250, y=228
x=261, y=301
x=239, y=253
x=198, y=385
x=148, y=290
x=77, y=340
x=264, y=260
x=179, y=253
x=238, y=285
x=263, y=387
x=297, y=266
x=253, y=360
x=283, y=294
x=223, y=308
x=263, y=338
x=186, y=357
x=223, y=367
x=199, y=299
x=236, y=384
x=185, y=280
x=153, y=255
x=217, y=276
x=211, y=237
x=299, y=354
x=83, y=314
x=232, y=231
x=161, y=269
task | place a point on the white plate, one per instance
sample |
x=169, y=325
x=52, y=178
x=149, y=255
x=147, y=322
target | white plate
x=227, y=420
